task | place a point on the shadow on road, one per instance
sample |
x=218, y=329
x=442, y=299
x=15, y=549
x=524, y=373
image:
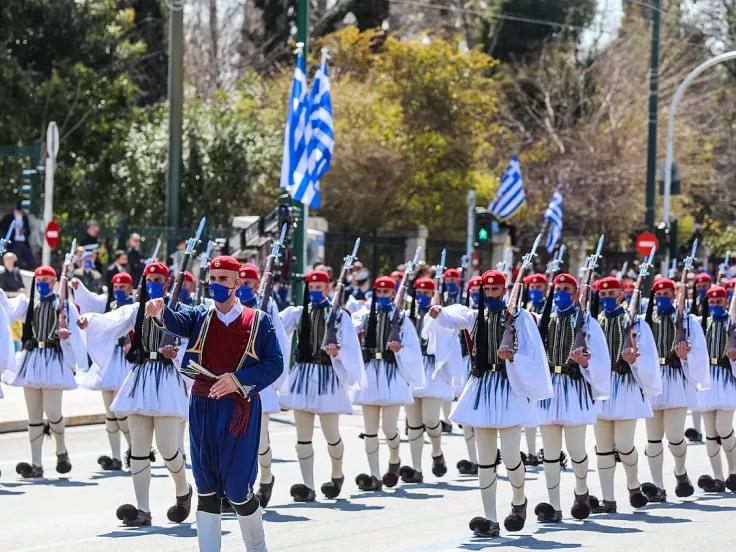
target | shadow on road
x=587, y=525
x=182, y=531
x=342, y=504
x=275, y=517
x=398, y=493
x=522, y=542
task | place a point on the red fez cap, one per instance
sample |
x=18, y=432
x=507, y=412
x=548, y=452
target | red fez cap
x=535, y=279
x=157, y=268
x=628, y=284
x=188, y=276
x=424, y=283
x=397, y=275
x=716, y=292
x=452, y=273
x=609, y=282
x=319, y=276
x=122, y=278
x=44, y=270
x=225, y=262
x=565, y=279
x=248, y=271
x=702, y=278
x=729, y=284
x=475, y=281
x=384, y=282
x=494, y=278
x=663, y=283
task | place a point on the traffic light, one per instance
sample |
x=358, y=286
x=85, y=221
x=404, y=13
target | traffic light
x=483, y=225
x=663, y=236
x=30, y=191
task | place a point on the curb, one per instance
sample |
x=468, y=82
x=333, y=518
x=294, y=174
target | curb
x=71, y=421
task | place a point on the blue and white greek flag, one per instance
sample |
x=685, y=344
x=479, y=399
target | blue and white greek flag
x=510, y=195
x=295, y=163
x=554, y=215
x=322, y=143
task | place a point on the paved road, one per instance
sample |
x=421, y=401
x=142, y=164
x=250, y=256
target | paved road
x=78, y=513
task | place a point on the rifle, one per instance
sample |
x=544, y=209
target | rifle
x=63, y=283
x=622, y=274
x=204, y=260
x=506, y=265
x=148, y=261
x=672, y=272
x=188, y=252
x=631, y=339
x=463, y=277
x=680, y=329
x=512, y=310
x=331, y=329
x=6, y=239
x=591, y=263
x=731, y=332
x=395, y=335
x=135, y=353
x=439, y=278
x=553, y=267
x=266, y=284
x=722, y=268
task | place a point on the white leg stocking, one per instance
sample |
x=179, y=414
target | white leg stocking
x=552, y=443
x=167, y=440
x=446, y=409
x=141, y=435
x=624, y=433
x=674, y=429
x=487, y=439
x=371, y=419
x=390, y=423
x=697, y=416
x=304, y=449
x=655, y=449
x=52, y=406
x=265, y=457
x=724, y=425
x=111, y=425
x=34, y=405
x=469, y=435
x=416, y=432
x=575, y=443
x=511, y=455
x=335, y=447
x=431, y=418
x=605, y=456
x=531, y=440
x=712, y=447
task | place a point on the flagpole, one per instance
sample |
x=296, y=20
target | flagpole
x=300, y=233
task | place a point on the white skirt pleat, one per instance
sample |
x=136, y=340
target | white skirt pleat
x=40, y=369
x=153, y=389
x=316, y=388
x=110, y=378
x=434, y=387
x=626, y=402
x=269, y=401
x=571, y=404
x=722, y=392
x=490, y=402
x=676, y=391
x=459, y=386
x=386, y=385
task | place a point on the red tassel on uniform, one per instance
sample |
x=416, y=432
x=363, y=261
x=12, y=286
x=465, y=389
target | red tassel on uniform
x=239, y=421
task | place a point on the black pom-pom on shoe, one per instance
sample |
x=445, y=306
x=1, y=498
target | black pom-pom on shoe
x=332, y=489
x=547, y=514
x=439, y=467
x=410, y=475
x=180, y=511
x=481, y=527
x=466, y=467
x=684, y=487
x=637, y=498
x=580, y=507
x=391, y=477
x=731, y=483
x=516, y=519
x=105, y=462
x=127, y=513
x=301, y=493
x=264, y=492
x=63, y=465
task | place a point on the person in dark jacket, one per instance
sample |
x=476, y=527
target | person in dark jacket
x=135, y=259
x=11, y=280
x=20, y=239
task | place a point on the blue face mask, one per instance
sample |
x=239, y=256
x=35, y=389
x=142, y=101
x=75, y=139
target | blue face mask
x=563, y=300
x=43, y=288
x=119, y=295
x=423, y=301
x=316, y=297
x=451, y=288
x=717, y=311
x=383, y=303
x=244, y=293
x=494, y=304
x=154, y=290
x=88, y=265
x=184, y=295
x=627, y=298
x=219, y=292
x=475, y=295
x=664, y=304
x=608, y=304
x=701, y=293
x=729, y=295
x=536, y=295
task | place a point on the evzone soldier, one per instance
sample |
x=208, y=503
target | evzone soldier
x=719, y=401
x=452, y=294
x=729, y=286
x=247, y=292
x=320, y=381
x=153, y=396
x=109, y=378
x=500, y=396
x=701, y=284
x=580, y=376
x=635, y=377
x=52, y=348
x=392, y=368
x=424, y=413
x=234, y=355
x=536, y=288
x=684, y=368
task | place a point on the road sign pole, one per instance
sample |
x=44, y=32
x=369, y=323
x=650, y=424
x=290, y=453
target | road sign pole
x=470, y=201
x=52, y=150
x=176, y=106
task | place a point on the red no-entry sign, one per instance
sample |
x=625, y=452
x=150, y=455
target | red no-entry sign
x=52, y=234
x=645, y=242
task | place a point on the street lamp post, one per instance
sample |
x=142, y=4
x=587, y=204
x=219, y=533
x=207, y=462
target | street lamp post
x=671, y=135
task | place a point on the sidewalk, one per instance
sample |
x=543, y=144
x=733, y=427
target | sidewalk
x=80, y=407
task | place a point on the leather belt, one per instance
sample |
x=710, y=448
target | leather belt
x=41, y=344
x=662, y=361
x=714, y=360
x=378, y=356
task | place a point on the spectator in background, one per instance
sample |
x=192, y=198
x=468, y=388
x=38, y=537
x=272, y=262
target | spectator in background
x=91, y=241
x=135, y=258
x=119, y=264
x=177, y=255
x=11, y=280
x=87, y=274
x=20, y=239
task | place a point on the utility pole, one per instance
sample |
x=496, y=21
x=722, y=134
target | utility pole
x=300, y=234
x=653, y=110
x=176, y=104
